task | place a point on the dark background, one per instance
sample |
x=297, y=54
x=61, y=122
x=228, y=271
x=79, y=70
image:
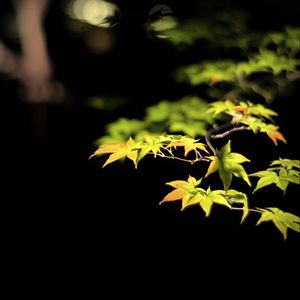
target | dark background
x=62, y=206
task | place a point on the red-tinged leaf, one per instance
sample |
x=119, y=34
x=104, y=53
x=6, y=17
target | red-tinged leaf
x=243, y=110
x=275, y=135
x=177, y=183
x=175, y=195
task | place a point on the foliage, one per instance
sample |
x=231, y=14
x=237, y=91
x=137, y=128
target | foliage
x=186, y=129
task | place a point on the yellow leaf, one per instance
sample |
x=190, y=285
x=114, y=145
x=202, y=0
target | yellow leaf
x=115, y=156
x=206, y=205
x=213, y=167
x=133, y=155
x=108, y=148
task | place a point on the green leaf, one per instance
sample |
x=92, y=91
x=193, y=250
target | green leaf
x=218, y=196
x=281, y=227
x=281, y=173
x=190, y=200
x=228, y=166
x=237, y=158
x=235, y=197
x=266, y=178
x=286, y=163
x=225, y=150
x=265, y=216
x=237, y=170
x=206, y=204
x=282, y=220
x=225, y=175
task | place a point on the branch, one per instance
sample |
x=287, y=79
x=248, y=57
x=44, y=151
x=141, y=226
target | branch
x=221, y=135
x=209, y=134
x=191, y=161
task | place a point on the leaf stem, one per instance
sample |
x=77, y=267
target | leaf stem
x=250, y=209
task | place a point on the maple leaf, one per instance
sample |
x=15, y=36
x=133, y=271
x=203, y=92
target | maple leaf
x=117, y=151
x=213, y=166
x=235, y=197
x=266, y=178
x=183, y=190
x=274, y=134
x=282, y=220
x=228, y=164
x=189, y=144
x=190, y=194
x=262, y=111
x=152, y=144
x=286, y=163
x=281, y=173
x=219, y=107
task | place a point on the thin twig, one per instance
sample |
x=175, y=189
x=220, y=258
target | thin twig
x=210, y=132
x=191, y=161
x=221, y=135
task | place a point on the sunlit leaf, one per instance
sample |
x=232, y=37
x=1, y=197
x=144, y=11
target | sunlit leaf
x=182, y=189
x=228, y=165
x=235, y=197
x=176, y=194
x=118, y=151
x=218, y=197
x=189, y=200
x=206, y=204
x=213, y=166
x=274, y=134
x=287, y=163
x=177, y=184
x=282, y=220
x=266, y=178
x=281, y=173
x=189, y=144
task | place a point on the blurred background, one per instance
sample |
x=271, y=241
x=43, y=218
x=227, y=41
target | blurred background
x=67, y=69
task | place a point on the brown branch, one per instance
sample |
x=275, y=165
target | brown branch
x=221, y=135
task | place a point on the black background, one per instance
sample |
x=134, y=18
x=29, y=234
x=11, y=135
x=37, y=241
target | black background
x=63, y=210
